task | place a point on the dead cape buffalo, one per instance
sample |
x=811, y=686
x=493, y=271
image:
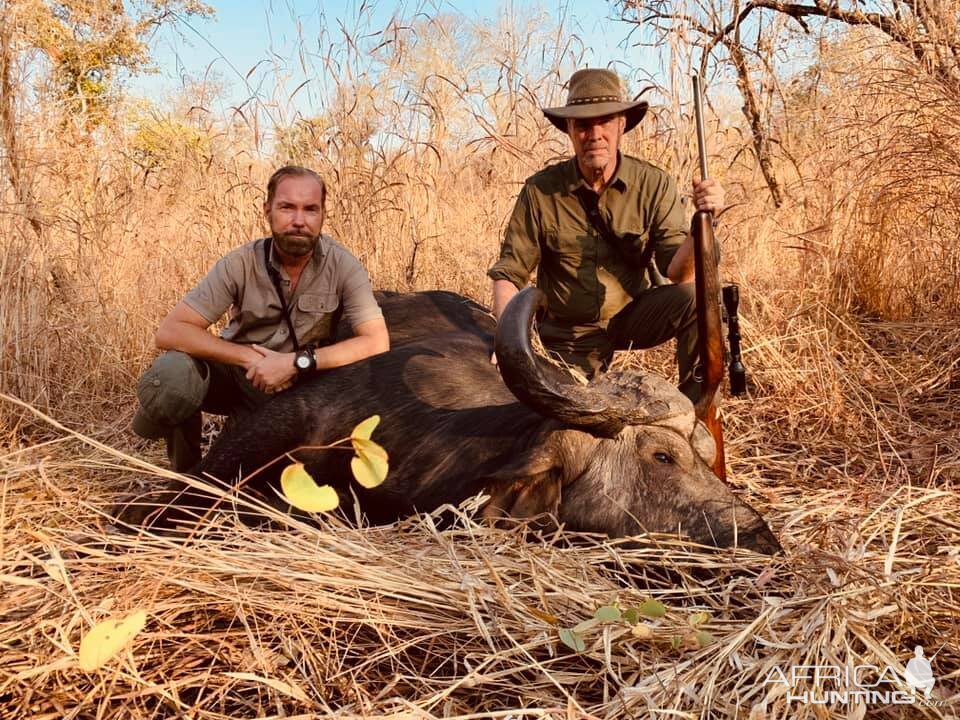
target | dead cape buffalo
x=621, y=456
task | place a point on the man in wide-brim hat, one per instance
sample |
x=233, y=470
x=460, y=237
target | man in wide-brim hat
x=602, y=230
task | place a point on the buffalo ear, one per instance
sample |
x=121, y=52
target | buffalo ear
x=526, y=497
x=527, y=486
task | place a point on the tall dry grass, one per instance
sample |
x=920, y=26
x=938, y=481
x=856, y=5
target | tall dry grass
x=849, y=443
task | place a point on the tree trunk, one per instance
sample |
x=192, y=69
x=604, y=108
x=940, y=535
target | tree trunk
x=751, y=109
x=8, y=132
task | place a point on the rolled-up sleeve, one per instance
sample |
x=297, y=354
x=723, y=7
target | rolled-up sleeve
x=520, y=252
x=356, y=294
x=218, y=290
x=668, y=227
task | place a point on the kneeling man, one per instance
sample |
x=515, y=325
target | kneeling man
x=285, y=295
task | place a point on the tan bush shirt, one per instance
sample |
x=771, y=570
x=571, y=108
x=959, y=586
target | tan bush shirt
x=585, y=279
x=333, y=283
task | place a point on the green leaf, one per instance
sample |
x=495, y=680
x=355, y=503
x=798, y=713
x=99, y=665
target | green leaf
x=675, y=641
x=631, y=615
x=607, y=613
x=653, y=608
x=704, y=638
x=572, y=640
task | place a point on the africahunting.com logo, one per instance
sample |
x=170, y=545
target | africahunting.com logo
x=860, y=684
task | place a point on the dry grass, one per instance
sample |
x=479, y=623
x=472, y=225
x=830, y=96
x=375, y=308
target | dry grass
x=849, y=442
x=407, y=621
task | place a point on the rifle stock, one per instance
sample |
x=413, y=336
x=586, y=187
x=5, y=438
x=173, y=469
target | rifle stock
x=709, y=325
x=709, y=331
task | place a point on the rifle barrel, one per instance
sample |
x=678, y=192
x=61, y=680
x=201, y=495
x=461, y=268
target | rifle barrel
x=701, y=138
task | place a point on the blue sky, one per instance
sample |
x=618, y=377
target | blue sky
x=253, y=48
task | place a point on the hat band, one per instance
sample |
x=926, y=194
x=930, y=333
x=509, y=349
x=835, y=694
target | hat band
x=595, y=99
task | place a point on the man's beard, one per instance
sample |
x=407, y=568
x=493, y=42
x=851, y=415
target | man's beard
x=295, y=245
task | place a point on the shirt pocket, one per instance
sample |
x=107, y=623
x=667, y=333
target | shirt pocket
x=567, y=248
x=317, y=313
x=631, y=245
x=569, y=275
x=564, y=241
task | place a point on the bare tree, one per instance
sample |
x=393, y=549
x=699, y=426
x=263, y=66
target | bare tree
x=928, y=29
x=80, y=47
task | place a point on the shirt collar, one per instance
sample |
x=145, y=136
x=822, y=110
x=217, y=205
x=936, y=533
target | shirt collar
x=575, y=181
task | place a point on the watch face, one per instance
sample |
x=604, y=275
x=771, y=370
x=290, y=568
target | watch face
x=303, y=362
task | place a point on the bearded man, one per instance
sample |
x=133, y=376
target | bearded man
x=284, y=296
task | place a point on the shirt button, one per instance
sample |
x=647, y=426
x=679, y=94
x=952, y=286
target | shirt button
x=156, y=382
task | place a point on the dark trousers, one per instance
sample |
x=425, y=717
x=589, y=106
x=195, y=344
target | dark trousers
x=654, y=317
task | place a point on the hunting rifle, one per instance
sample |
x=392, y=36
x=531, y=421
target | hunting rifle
x=709, y=371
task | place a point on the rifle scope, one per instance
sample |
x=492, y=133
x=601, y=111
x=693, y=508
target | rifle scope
x=738, y=373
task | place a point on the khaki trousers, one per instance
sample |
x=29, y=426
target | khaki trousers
x=187, y=387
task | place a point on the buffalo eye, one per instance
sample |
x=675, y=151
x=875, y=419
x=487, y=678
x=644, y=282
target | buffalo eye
x=664, y=458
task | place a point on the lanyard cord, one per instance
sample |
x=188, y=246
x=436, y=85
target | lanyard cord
x=275, y=279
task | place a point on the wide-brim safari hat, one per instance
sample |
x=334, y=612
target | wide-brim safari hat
x=595, y=92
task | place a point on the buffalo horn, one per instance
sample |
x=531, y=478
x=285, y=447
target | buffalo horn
x=553, y=393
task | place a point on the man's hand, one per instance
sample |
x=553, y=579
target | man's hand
x=708, y=195
x=274, y=371
x=252, y=355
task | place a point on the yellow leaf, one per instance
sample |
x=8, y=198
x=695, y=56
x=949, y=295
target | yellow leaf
x=369, y=453
x=364, y=430
x=368, y=447
x=369, y=467
x=642, y=631
x=107, y=638
x=303, y=493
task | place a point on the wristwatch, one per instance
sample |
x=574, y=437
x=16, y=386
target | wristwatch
x=305, y=362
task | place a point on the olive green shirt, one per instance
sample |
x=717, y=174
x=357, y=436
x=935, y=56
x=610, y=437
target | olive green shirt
x=333, y=284
x=586, y=280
